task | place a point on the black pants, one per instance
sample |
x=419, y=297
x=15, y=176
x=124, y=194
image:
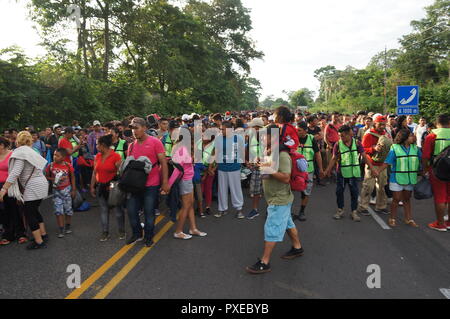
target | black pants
x=32, y=214
x=12, y=219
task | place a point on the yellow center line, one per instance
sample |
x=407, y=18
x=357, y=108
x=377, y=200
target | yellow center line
x=104, y=268
x=131, y=264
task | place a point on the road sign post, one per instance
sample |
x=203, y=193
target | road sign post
x=408, y=100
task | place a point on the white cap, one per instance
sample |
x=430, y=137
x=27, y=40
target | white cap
x=96, y=123
x=185, y=117
x=374, y=117
x=56, y=125
x=271, y=118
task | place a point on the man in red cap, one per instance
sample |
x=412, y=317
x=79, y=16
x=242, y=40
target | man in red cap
x=373, y=150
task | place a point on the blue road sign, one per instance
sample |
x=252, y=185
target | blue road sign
x=409, y=110
x=408, y=96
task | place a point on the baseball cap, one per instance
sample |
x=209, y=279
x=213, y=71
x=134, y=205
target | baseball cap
x=256, y=122
x=174, y=124
x=380, y=119
x=56, y=126
x=96, y=123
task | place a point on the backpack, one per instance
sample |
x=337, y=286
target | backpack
x=441, y=165
x=134, y=177
x=299, y=179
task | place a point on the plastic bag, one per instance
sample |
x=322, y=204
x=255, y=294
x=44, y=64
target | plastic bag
x=422, y=190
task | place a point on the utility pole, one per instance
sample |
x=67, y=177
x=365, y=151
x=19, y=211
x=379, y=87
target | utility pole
x=385, y=80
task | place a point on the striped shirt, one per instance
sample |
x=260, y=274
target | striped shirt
x=37, y=187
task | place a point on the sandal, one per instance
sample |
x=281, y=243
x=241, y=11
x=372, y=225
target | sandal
x=22, y=240
x=197, y=233
x=182, y=236
x=392, y=222
x=5, y=242
x=411, y=223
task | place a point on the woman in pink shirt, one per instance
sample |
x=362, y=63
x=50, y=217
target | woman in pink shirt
x=9, y=211
x=182, y=155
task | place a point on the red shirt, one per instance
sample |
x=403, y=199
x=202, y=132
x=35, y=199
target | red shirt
x=428, y=147
x=61, y=174
x=65, y=143
x=369, y=142
x=332, y=134
x=107, y=170
x=150, y=148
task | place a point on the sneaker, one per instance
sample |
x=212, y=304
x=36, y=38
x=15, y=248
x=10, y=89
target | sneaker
x=447, y=224
x=45, y=238
x=253, y=214
x=383, y=211
x=400, y=203
x=105, y=236
x=258, y=268
x=60, y=235
x=33, y=245
x=301, y=217
x=364, y=212
x=293, y=253
x=134, y=239
x=355, y=216
x=208, y=211
x=122, y=235
x=218, y=215
x=157, y=212
x=68, y=230
x=339, y=214
x=436, y=226
x=148, y=243
x=225, y=213
x=373, y=200
x=240, y=215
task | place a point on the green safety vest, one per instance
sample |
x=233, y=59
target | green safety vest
x=308, y=152
x=120, y=148
x=350, y=165
x=207, y=153
x=74, y=143
x=255, y=148
x=442, y=140
x=407, y=165
x=168, y=145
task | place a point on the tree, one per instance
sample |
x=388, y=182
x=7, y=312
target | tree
x=302, y=97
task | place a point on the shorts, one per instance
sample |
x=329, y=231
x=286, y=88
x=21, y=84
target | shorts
x=441, y=190
x=394, y=187
x=186, y=187
x=62, y=201
x=309, y=185
x=256, y=183
x=278, y=220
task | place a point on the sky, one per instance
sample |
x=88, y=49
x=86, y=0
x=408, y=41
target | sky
x=296, y=36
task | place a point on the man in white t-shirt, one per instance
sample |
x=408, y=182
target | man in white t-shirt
x=412, y=126
x=420, y=130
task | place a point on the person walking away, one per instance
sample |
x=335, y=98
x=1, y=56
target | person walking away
x=228, y=146
x=13, y=226
x=435, y=143
x=62, y=176
x=404, y=158
x=152, y=148
x=372, y=149
x=279, y=197
x=27, y=183
x=346, y=154
x=310, y=150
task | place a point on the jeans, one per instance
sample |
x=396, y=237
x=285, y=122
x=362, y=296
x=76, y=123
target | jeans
x=340, y=188
x=147, y=200
x=104, y=214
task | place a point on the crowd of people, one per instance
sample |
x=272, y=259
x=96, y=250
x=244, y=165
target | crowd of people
x=132, y=166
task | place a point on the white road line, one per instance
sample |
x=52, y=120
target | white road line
x=445, y=292
x=378, y=219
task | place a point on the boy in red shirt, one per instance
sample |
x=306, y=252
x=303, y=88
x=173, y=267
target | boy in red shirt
x=62, y=175
x=66, y=144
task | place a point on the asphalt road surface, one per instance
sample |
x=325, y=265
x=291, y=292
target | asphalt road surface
x=413, y=263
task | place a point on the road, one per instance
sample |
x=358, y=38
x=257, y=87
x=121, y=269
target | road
x=414, y=263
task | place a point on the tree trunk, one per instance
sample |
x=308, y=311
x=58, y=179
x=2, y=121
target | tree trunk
x=107, y=43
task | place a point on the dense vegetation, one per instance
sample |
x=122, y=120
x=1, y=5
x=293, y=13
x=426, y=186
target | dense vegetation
x=131, y=57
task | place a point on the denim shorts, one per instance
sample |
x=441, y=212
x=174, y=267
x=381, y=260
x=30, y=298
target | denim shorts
x=394, y=187
x=186, y=187
x=279, y=219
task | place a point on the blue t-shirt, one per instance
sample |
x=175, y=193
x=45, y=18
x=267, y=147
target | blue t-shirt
x=198, y=169
x=230, y=158
x=39, y=147
x=392, y=160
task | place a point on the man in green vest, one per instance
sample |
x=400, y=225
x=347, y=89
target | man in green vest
x=346, y=154
x=309, y=148
x=435, y=144
x=119, y=146
x=167, y=139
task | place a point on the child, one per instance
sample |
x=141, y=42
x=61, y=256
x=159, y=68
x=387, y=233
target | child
x=404, y=158
x=62, y=175
x=346, y=154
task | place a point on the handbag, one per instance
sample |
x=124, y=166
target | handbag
x=422, y=190
x=116, y=197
